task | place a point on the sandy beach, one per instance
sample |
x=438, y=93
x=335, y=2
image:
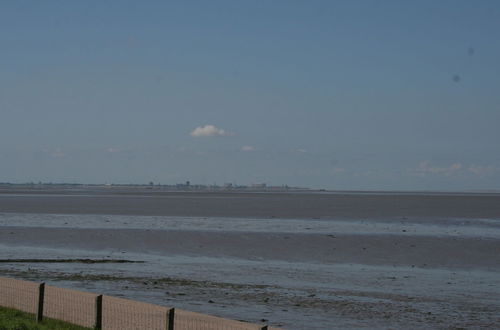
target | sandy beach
x=316, y=261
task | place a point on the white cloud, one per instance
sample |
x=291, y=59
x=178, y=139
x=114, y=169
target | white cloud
x=483, y=169
x=338, y=170
x=247, y=148
x=209, y=131
x=56, y=153
x=301, y=150
x=426, y=168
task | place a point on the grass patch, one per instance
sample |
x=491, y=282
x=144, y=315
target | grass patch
x=11, y=319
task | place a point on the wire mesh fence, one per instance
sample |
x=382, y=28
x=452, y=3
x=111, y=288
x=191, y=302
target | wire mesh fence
x=185, y=320
x=70, y=305
x=20, y=295
x=106, y=312
x=124, y=314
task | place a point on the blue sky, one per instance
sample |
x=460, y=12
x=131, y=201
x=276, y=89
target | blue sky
x=326, y=94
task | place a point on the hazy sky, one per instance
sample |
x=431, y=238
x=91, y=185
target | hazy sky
x=325, y=94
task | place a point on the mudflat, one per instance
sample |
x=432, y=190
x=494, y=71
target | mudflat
x=261, y=205
x=296, y=260
x=466, y=253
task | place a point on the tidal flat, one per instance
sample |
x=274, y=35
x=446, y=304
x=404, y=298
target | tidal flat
x=316, y=261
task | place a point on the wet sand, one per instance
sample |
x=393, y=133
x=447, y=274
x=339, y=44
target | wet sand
x=253, y=205
x=413, y=264
x=328, y=248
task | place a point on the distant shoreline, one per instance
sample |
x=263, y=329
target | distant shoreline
x=6, y=188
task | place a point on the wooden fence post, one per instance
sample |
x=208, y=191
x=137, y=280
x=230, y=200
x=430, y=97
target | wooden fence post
x=170, y=319
x=41, y=294
x=98, y=312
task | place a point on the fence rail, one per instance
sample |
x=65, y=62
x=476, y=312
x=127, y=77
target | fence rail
x=105, y=312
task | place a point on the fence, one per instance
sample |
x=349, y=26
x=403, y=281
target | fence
x=105, y=312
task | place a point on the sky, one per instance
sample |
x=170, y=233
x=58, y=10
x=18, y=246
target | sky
x=347, y=95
